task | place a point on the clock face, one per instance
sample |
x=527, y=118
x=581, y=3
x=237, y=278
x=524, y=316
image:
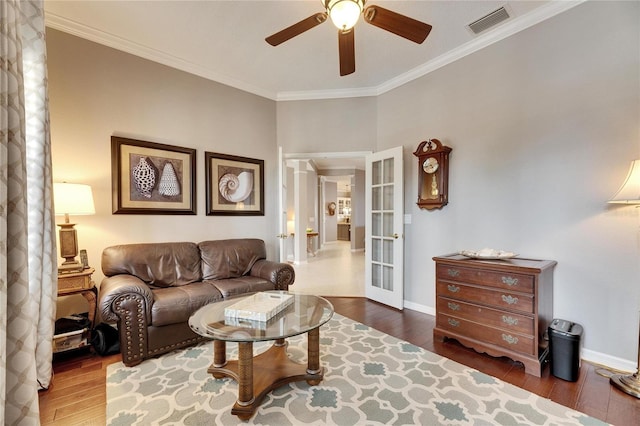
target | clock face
x=430, y=165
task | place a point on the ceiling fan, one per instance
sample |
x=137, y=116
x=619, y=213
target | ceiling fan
x=345, y=14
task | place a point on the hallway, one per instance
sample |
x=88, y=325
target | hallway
x=334, y=271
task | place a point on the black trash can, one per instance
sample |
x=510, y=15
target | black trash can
x=564, y=348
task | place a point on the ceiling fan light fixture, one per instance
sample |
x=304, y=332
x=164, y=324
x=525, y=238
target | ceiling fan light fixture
x=344, y=13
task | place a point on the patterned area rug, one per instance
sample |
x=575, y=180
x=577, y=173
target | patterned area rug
x=370, y=378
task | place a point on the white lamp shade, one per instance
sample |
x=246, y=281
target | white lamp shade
x=629, y=192
x=73, y=199
x=344, y=13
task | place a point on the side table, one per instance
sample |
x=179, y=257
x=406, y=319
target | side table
x=80, y=283
x=310, y=246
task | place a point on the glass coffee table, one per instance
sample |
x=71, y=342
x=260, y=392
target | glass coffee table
x=258, y=375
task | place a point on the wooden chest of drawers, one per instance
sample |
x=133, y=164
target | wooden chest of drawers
x=500, y=307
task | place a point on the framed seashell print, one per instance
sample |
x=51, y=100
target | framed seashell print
x=152, y=178
x=234, y=185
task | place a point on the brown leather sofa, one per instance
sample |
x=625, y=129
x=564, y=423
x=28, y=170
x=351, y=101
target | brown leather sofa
x=151, y=290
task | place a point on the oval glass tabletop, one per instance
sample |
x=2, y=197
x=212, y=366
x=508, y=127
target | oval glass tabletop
x=305, y=313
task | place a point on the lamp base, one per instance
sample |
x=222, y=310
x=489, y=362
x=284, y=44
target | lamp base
x=629, y=384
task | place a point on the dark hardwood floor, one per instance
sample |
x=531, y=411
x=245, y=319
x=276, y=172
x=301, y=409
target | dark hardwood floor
x=77, y=394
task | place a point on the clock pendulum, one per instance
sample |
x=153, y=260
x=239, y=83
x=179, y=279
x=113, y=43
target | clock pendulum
x=434, y=186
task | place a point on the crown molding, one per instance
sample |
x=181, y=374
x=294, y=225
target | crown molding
x=362, y=92
x=324, y=155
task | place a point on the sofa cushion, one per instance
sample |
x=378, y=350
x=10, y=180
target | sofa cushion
x=243, y=285
x=224, y=259
x=176, y=304
x=158, y=264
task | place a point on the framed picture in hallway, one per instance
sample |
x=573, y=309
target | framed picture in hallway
x=152, y=178
x=234, y=185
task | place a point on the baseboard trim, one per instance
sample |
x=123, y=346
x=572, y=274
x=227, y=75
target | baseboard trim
x=606, y=360
x=420, y=308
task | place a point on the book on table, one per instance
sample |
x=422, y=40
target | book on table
x=260, y=306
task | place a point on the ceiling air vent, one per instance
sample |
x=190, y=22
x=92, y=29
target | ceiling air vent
x=488, y=21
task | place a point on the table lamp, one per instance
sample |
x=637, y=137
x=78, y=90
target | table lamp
x=71, y=199
x=629, y=193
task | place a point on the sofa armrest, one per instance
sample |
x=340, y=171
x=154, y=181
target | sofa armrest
x=121, y=293
x=281, y=274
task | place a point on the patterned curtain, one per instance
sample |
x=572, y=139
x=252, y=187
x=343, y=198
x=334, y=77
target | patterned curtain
x=28, y=270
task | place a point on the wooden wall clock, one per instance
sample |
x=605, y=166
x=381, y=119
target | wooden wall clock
x=331, y=208
x=433, y=174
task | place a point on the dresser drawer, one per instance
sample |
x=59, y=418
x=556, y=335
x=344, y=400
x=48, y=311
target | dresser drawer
x=503, y=338
x=510, y=281
x=495, y=318
x=494, y=297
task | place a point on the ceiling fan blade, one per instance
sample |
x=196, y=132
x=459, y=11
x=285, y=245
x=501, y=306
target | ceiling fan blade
x=296, y=29
x=346, y=48
x=397, y=24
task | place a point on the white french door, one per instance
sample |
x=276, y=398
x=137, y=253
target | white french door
x=384, y=243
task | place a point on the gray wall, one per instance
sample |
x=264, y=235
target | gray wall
x=96, y=92
x=543, y=126
x=330, y=222
x=333, y=125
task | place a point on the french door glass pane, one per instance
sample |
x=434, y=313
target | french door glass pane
x=376, y=275
x=376, y=173
x=376, y=224
x=387, y=279
x=387, y=254
x=376, y=198
x=388, y=170
x=387, y=225
x=388, y=197
x=376, y=250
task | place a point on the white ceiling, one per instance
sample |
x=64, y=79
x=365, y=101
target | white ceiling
x=224, y=40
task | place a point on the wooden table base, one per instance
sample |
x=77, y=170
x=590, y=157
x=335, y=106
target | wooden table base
x=256, y=376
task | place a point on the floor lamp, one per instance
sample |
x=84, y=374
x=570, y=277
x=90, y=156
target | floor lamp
x=629, y=193
x=71, y=199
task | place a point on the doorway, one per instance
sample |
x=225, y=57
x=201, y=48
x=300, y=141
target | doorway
x=331, y=266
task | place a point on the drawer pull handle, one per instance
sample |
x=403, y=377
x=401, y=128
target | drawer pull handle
x=510, y=281
x=453, y=306
x=453, y=322
x=510, y=300
x=453, y=272
x=453, y=288
x=510, y=339
x=509, y=320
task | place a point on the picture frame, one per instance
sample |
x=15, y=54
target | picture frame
x=152, y=178
x=234, y=185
